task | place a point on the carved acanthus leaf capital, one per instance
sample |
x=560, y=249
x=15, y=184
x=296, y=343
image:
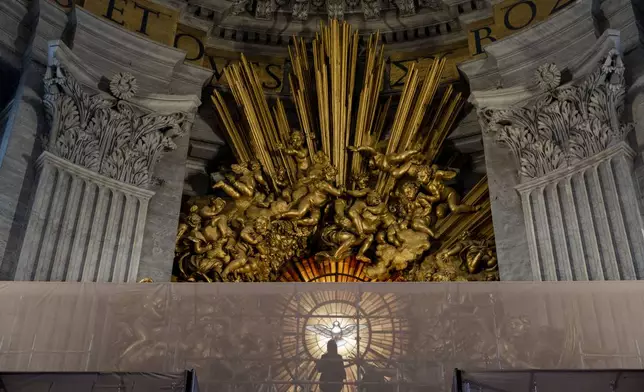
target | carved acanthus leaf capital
x=104, y=133
x=567, y=123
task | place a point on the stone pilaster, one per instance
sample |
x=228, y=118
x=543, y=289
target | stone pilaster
x=83, y=226
x=90, y=205
x=580, y=222
x=579, y=201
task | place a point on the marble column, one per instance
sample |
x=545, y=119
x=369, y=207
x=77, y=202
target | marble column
x=580, y=204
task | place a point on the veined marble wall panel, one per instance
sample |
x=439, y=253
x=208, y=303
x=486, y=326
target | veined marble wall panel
x=12, y=34
x=163, y=216
x=236, y=333
x=510, y=233
x=82, y=226
x=17, y=172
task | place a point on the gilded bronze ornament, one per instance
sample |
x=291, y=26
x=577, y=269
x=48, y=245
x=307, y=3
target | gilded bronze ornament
x=344, y=184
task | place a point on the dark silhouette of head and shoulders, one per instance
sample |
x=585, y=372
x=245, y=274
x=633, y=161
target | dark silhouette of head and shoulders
x=331, y=368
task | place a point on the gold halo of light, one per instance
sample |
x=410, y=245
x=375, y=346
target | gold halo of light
x=378, y=334
x=348, y=269
x=325, y=315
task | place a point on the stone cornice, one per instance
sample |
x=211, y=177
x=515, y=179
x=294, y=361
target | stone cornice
x=586, y=62
x=425, y=27
x=90, y=78
x=168, y=104
x=619, y=15
x=192, y=78
x=86, y=76
x=109, y=48
x=561, y=39
x=189, y=79
x=10, y=29
x=581, y=66
x=51, y=25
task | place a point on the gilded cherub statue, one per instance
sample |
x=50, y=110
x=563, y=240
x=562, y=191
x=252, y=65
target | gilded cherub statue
x=216, y=225
x=282, y=184
x=297, y=149
x=415, y=210
x=340, y=234
x=361, y=184
x=432, y=180
x=467, y=259
x=265, y=227
x=242, y=187
x=193, y=247
x=258, y=175
x=397, y=164
x=479, y=254
x=319, y=189
x=249, y=247
x=366, y=217
x=203, y=265
x=194, y=237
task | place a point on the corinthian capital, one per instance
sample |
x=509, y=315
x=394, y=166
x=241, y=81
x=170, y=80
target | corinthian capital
x=566, y=123
x=105, y=133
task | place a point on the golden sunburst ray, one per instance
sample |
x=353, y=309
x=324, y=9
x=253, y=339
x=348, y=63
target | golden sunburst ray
x=323, y=95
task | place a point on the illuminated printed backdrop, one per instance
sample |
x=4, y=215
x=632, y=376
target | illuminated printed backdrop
x=254, y=337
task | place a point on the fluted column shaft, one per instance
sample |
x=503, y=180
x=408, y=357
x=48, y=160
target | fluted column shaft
x=83, y=226
x=583, y=222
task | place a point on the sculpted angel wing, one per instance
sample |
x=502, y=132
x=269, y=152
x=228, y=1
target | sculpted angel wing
x=351, y=329
x=445, y=174
x=320, y=329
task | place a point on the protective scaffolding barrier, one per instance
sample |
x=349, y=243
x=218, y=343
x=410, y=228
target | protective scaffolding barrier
x=548, y=381
x=98, y=382
x=269, y=337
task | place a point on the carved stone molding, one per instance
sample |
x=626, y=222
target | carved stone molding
x=105, y=133
x=566, y=124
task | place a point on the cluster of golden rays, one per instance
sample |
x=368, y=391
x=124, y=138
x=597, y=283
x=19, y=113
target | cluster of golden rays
x=323, y=94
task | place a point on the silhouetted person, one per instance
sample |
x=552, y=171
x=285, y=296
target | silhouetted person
x=331, y=369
